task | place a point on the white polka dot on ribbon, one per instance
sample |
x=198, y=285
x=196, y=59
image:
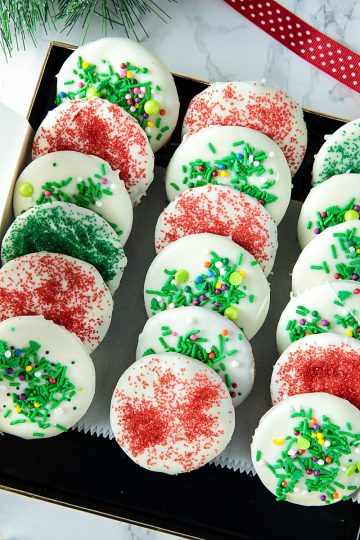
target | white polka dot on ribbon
x=304, y=40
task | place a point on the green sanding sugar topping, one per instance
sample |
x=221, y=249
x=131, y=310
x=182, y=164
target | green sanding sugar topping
x=61, y=228
x=314, y=453
x=333, y=215
x=121, y=87
x=37, y=385
x=89, y=191
x=194, y=345
x=241, y=165
x=221, y=286
x=342, y=157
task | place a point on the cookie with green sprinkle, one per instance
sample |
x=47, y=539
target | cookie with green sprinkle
x=206, y=336
x=306, y=449
x=47, y=379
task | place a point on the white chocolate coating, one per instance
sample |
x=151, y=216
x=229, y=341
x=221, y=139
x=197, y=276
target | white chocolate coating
x=222, y=138
x=192, y=254
x=223, y=211
x=171, y=414
x=86, y=236
x=328, y=261
x=59, y=346
x=339, y=154
x=336, y=191
x=334, y=302
x=252, y=104
x=116, y=51
x=114, y=205
x=277, y=424
x=68, y=291
x=237, y=369
x=318, y=363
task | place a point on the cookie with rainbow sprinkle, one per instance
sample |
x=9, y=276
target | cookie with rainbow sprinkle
x=171, y=413
x=339, y=154
x=60, y=227
x=242, y=158
x=100, y=128
x=328, y=204
x=223, y=211
x=318, y=363
x=86, y=181
x=206, y=336
x=254, y=105
x=212, y=272
x=334, y=254
x=47, y=379
x=125, y=73
x=306, y=449
x=329, y=307
x=62, y=289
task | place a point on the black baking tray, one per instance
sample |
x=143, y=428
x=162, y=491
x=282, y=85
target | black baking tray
x=93, y=474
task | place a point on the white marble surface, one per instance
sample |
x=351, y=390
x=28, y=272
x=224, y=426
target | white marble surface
x=209, y=40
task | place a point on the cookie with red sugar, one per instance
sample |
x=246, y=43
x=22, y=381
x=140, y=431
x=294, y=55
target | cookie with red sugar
x=223, y=211
x=65, y=290
x=171, y=413
x=253, y=105
x=318, y=363
x=102, y=129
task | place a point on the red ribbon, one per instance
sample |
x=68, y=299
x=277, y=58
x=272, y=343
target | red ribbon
x=304, y=40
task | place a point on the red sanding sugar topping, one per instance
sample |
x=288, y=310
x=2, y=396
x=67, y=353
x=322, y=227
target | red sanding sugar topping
x=223, y=211
x=329, y=369
x=267, y=110
x=102, y=129
x=60, y=289
x=172, y=418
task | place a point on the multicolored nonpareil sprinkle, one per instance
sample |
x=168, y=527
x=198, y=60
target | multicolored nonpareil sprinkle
x=334, y=215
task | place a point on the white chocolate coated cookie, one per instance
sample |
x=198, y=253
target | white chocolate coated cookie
x=102, y=129
x=330, y=307
x=223, y=211
x=253, y=105
x=171, y=413
x=339, y=154
x=66, y=228
x=334, y=254
x=316, y=437
x=206, y=336
x=47, y=379
x=238, y=157
x=318, y=363
x=86, y=181
x=213, y=272
x=128, y=75
x=328, y=204
x=67, y=291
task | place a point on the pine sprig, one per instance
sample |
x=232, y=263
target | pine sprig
x=21, y=18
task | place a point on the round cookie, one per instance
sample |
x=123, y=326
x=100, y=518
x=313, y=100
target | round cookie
x=339, y=154
x=47, y=379
x=65, y=290
x=328, y=204
x=86, y=181
x=320, y=363
x=171, y=413
x=242, y=158
x=206, y=336
x=102, y=129
x=127, y=74
x=65, y=228
x=210, y=271
x=223, y=211
x=330, y=307
x=313, y=440
x=253, y=105
x=334, y=254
